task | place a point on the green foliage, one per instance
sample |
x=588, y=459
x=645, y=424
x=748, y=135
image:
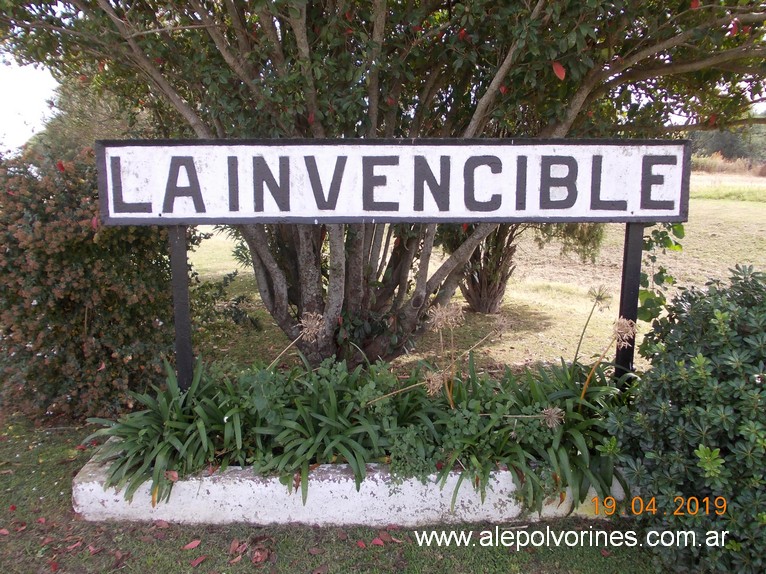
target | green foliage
x=655, y=279
x=697, y=427
x=537, y=426
x=85, y=312
x=210, y=303
x=748, y=143
x=286, y=423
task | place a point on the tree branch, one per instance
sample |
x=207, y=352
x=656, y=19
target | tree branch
x=432, y=85
x=276, y=300
x=298, y=24
x=157, y=78
x=695, y=127
x=639, y=74
x=308, y=270
x=235, y=63
x=627, y=61
x=243, y=38
x=337, y=275
x=576, y=104
x=269, y=28
x=490, y=96
x=373, y=87
x=460, y=255
x=166, y=30
x=419, y=299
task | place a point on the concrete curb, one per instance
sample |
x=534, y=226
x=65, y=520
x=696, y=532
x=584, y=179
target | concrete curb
x=239, y=496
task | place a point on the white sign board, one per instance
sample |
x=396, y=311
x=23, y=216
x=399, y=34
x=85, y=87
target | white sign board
x=150, y=182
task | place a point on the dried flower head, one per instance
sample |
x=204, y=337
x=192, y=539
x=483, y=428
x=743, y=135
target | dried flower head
x=624, y=332
x=434, y=382
x=311, y=326
x=446, y=316
x=600, y=296
x=552, y=416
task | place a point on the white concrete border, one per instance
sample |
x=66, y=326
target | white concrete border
x=239, y=495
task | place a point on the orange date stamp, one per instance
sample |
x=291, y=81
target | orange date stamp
x=681, y=506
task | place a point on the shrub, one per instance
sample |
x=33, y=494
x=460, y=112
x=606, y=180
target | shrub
x=697, y=428
x=85, y=314
x=716, y=163
x=284, y=422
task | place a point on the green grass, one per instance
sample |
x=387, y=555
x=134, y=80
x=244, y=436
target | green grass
x=728, y=186
x=44, y=535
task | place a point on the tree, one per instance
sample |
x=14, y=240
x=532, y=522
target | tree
x=378, y=68
x=490, y=266
x=83, y=113
x=747, y=142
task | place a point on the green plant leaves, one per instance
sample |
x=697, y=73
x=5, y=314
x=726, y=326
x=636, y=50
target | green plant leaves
x=289, y=422
x=695, y=425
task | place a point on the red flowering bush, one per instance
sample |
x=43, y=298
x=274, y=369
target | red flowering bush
x=85, y=311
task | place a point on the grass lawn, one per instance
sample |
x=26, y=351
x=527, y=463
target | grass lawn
x=544, y=311
x=39, y=532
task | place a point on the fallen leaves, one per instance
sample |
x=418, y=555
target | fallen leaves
x=259, y=555
x=192, y=545
x=197, y=561
x=237, y=549
x=258, y=548
x=384, y=537
x=93, y=550
x=4, y=532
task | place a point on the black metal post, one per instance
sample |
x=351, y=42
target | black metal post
x=181, y=313
x=631, y=283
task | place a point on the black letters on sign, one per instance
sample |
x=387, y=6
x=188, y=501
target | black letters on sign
x=316, y=184
x=233, y=165
x=521, y=182
x=120, y=205
x=595, y=190
x=495, y=166
x=439, y=189
x=279, y=191
x=648, y=179
x=173, y=190
x=370, y=181
x=568, y=181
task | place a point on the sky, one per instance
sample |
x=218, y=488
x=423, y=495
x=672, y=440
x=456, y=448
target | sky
x=23, y=103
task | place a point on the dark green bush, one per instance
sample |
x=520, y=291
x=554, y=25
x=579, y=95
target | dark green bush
x=697, y=427
x=85, y=311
